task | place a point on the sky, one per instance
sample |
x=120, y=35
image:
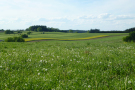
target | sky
x=68, y=14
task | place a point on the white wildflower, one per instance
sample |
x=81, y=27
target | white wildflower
x=129, y=82
x=41, y=60
x=38, y=73
x=0, y=66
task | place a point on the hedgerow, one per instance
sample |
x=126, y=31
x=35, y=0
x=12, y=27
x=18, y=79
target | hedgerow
x=14, y=39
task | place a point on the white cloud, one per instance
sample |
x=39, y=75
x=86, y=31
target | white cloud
x=104, y=16
x=123, y=17
x=65, y=14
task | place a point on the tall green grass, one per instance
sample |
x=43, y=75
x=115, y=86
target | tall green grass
x=99, y=64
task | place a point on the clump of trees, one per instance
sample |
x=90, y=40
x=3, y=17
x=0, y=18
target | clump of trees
x=14, y=39
x=70, y=31
x=1, y=30
x=94, y=31
x=41, y=28
x=130, y=38
x=19, y=31
x=24, y=36
x=28, y=33
x=9, y=32
x=130, y=30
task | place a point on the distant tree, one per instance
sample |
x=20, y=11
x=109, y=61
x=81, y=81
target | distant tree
x=130, y=30
x=9, y=32
x=94, y=30
x=24, y=36
x=39, y=29
x=70, y=31
x=14, y=39
x=130, y=38
x=35, y=30
x=27, y=29
x=2, y=30
x=88, y=31
x=28, y=33
x=19, y=31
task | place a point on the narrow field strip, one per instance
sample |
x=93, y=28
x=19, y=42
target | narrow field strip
x=38, y=39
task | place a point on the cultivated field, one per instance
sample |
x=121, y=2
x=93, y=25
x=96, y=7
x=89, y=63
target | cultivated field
x=59, y=35
x=97, y=64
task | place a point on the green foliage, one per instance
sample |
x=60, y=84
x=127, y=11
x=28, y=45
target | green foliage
x=94, y=31
x=14, y=39
x=19, y=31
x=132, y=35
x=35, y=30
x=70, y=31
x=88, y=31
x=9, y=32
x=24, y=36
x=39, y=29
x=10, y=39
x=130, y=30
x=130, y=38
x=28, y=33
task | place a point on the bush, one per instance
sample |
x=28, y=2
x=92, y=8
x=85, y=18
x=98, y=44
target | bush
x=19, y=32
x=127, y=39
x=132, y=35
x=14, y=39
x=10, y=39
x=130, y=38
x=28, y=33
x=9, y=32
x=24, y=36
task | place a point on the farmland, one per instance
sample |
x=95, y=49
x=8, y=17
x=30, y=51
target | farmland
x=97, y=64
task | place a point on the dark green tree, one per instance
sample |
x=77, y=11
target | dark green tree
x=9, y=32
x=28, y=33
x=130, y=38
x=24, y=36
x=39, y=29
x=70, y=31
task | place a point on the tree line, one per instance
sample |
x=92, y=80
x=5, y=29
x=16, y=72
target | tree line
x=41, y=28
x=113, y=31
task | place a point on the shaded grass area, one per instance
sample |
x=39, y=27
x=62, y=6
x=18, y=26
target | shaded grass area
x=100, y=64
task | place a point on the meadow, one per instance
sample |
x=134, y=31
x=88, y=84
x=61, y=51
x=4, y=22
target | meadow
x=96, y=64
x=58, y=35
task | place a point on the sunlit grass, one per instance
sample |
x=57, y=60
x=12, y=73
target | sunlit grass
x=100, y=64
x=34, y=39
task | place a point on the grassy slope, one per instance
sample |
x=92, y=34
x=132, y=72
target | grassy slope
x=106, y=63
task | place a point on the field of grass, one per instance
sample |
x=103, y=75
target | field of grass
x=99, y=64
x=59, y=35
